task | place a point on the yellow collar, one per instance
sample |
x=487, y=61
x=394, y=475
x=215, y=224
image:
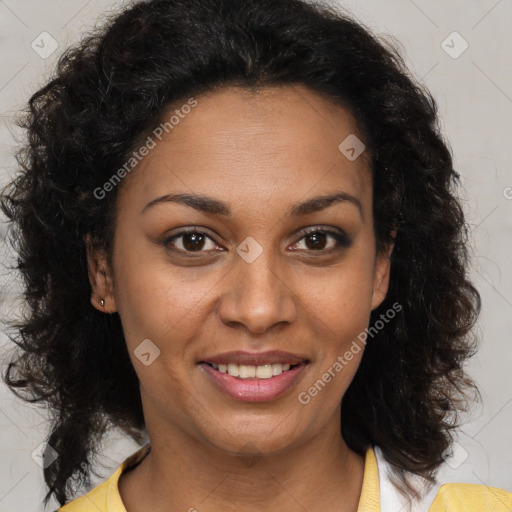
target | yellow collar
x=370, y=493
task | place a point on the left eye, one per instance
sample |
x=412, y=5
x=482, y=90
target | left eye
x=316, y=240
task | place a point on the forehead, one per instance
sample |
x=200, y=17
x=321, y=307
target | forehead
x=277, y=140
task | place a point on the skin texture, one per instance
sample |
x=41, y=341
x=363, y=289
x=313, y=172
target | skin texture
x=260, y=154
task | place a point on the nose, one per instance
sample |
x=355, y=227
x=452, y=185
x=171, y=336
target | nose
x=258, y=295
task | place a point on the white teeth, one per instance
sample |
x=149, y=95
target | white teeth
x=233, y=370
x=243, y=371
x=264, y=372
x=246, y=372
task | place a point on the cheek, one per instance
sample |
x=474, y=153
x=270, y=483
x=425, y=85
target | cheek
x=154, y=299
x=341, y=298
x=339, y=305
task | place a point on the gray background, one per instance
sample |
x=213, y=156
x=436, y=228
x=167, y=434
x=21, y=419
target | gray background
x=474, y=94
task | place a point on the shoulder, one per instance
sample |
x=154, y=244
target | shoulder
x=471, y=498
x=447, y=497
x=105, y=497
x=98, y=498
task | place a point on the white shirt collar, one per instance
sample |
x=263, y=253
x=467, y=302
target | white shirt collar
x=390, y=498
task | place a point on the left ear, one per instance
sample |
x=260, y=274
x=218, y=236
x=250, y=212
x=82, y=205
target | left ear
x=381, y=275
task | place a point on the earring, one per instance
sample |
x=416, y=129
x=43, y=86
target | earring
x=102, y=302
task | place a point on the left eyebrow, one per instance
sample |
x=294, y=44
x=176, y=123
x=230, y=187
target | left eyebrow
x=213, y=206
x=319, y=203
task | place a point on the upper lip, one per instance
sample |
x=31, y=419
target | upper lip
x=256, y=359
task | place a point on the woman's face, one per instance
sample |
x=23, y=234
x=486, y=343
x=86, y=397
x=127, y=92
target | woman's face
x=247, y=276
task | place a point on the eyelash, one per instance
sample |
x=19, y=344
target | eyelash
x=341, y=239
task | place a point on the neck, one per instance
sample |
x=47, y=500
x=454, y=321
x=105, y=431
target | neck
x=182, y=473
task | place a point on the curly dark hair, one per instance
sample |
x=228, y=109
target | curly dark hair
x=109, y=91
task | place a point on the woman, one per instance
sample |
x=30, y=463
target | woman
x=238, y=230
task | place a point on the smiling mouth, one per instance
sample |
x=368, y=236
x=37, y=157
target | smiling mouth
x=242, y=371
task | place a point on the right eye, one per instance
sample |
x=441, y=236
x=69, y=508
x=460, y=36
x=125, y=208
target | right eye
x=190, y=241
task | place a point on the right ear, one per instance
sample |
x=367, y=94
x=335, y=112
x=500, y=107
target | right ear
x=100, y=277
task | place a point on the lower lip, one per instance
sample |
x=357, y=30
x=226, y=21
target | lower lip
x=254, y=390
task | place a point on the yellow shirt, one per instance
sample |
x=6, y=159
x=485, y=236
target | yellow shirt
x=450, y=498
